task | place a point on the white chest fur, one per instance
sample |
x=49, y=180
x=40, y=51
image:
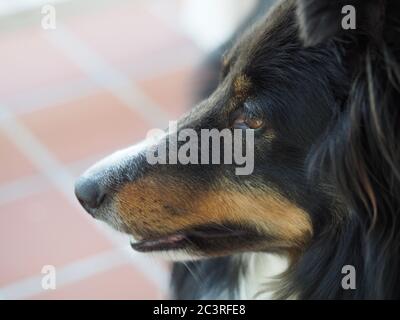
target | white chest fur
x=260, y=277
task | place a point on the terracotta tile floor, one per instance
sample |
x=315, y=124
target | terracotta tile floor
x=100, y=122
x=122, y=283
x=160, y=86
x=14, y=165
x=30, y=63
x=75, y=117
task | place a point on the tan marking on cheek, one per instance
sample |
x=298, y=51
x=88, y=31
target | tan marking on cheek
x=142, y=207
x=152, y=214
x=270, y=213
x=241, y=87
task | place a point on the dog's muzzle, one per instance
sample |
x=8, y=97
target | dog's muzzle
x=96, y=188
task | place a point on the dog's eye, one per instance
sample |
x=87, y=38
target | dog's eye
x=242, y=120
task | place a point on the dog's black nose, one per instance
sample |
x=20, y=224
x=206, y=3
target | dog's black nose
x=89, y=193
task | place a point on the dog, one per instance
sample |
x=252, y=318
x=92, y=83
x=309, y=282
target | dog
x=324, y=195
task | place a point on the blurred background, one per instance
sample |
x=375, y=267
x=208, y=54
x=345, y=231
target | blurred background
x=107, y=73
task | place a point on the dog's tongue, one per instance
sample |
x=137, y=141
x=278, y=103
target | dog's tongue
x=169, y=242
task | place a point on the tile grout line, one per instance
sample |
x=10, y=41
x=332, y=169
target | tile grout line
x=34, y=183
x=76, y=271
x=74, y=89
x=51, y=96
x=106, y=76
x=68, y=274
x=57, y=174
x=35, y=151
x=21, y=188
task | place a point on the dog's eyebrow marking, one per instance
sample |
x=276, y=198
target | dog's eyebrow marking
x=227, y=58
x=225, y=61
x=241, y=87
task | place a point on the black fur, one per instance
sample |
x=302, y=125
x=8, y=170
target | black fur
x=355, y=150
x=207, y=279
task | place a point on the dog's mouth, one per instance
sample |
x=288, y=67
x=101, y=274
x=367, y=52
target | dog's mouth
x=195, y=238
x=170, y=242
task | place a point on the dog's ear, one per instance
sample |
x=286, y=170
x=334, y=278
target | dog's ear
x=321, y=20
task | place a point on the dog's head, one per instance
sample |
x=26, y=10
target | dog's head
x=282, y=92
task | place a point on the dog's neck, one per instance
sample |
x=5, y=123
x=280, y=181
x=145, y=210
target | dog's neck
x=242, y=276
